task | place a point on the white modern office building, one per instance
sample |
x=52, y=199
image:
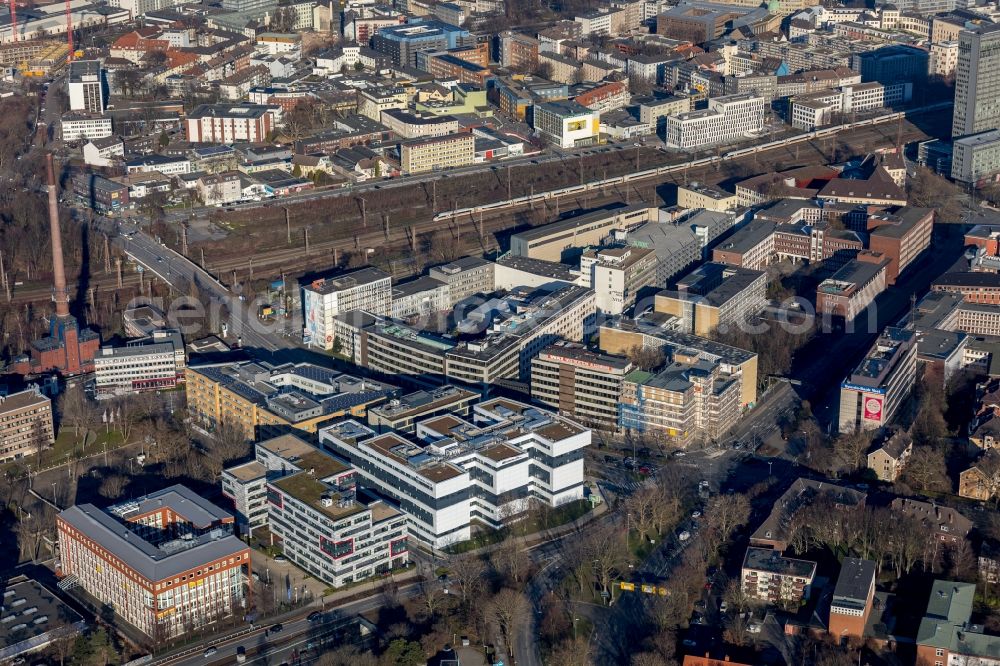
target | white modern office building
x=727, y=118
x=308, y=501
x=147, y=364
x=453, y=471
x=368, y=289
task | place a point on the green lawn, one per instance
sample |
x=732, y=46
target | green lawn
x=69, y=446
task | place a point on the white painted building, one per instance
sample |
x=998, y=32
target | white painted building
x=726, y=119
x=146, y=364
x=368, y=289
x=79, y=125
x=488, y=469
x=567, y=124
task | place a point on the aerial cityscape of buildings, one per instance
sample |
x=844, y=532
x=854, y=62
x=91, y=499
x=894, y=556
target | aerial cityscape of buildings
x=398, y=332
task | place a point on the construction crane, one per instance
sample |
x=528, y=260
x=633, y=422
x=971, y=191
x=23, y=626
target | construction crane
x=13, y=18
x=69, y=32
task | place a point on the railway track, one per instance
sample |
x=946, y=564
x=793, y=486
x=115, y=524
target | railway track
x=476, y=228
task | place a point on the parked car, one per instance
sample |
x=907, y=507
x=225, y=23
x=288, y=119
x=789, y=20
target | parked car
x=280, y=558
x=684, y=536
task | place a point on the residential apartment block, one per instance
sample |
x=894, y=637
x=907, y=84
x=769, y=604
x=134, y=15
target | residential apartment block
x=224, y=123
x=488, y=468
x=166, y=563
x=465, y=277
x=947, y=635
x=770, y=577
x=25, y=424
x=890, y=455
x=436, y=153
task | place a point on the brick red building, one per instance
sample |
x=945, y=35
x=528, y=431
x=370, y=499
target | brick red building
x=901, y=236
x=167, y=563
x=852, y=599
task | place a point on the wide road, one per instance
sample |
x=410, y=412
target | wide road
x=180, y=272
x=276, y=647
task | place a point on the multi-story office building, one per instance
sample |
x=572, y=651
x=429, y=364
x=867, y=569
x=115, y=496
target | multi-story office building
x=167, y=563
x=897, y=63
x=373, y=101
x=490, y=468
x=225, y=123
x=146, y=364
x=850, y=290
x=821, y=108
x=617, y=276
x=266, y=400
x=975, y=286
x=697, y=196
x=751, y=247
x=727, y=118
x=551, y=241
x=465, y=277
x=581, y=384
x=620, y=336
x=691, y=399
x=246, y=484
x=403, y=42
x=499, y=338
x=436, y=153
x=420, y=297
x=873, y=392
x=901, y=237
x=368, y=289
x=712, y=296
x=312, y=507
x=567, y=124
x=976, y=158
x=82, y=125
x=977, y=81
x=772, y=578
x=401, y=414
x=518, y=51
x=86, y=86
x=25, y=424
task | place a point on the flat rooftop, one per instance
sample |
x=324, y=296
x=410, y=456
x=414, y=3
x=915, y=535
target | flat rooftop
x=772, y=561
x=29, y=613
x=312, y=492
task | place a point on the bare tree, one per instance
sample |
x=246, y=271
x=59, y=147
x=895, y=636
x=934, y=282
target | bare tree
x=510, y=559
x=571, y=652
x=346, y=655
x=468, y=574
x=604, y=547
x=646, y=358
x=433, y=598
x=852, y=449
x=75, y=410
x=230, y=442
x=507, y=609
x=727, y=512
x=113, y=486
